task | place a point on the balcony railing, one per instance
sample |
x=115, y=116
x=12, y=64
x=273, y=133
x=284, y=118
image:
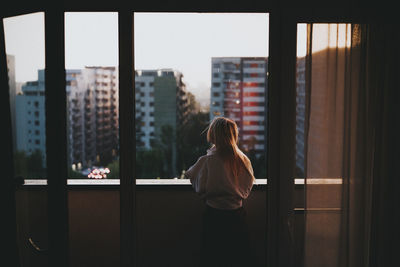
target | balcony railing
x=176, y=181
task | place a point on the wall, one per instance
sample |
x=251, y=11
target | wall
x=168, y=225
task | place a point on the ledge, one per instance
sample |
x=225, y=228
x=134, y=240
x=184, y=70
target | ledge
x=168, y=182
x=154, y=182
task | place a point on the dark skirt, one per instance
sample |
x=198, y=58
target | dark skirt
x=225, y=238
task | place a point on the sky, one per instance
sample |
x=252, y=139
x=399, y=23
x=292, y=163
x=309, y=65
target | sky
x=182, y=41
x=24, y=38
x=187, y=42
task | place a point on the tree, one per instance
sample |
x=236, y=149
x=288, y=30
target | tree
x=168, y=148
x=35, y=165
x=149, y=164
x=114, y=169
x=75, y=175
x=20, y=164
x=192, y=139
x=258, y=161
x=29, y=166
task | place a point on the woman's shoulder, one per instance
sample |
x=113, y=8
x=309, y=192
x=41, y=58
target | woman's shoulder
x=202, y=159
x=211, y=151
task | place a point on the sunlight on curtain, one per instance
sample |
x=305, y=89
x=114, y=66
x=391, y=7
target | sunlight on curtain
x=335, y=136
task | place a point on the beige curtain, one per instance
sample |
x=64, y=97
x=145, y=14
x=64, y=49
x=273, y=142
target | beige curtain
x=339, y=139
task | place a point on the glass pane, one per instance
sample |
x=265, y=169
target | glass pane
x=91, y=63
x=300, y=97
x=25, y=61
x=25, y=49
x=213, y=67
x=323, y=80
x=190, y=67
x=91, y=60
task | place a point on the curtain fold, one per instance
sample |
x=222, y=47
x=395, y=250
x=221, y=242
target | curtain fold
x=383, y=56
x=345, y=151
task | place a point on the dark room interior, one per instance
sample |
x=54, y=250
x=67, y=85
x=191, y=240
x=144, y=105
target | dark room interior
x=327, y=183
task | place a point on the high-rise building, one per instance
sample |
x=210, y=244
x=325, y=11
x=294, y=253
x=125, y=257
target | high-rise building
x=239, y=92
x=161, y=106
x=30, y=117
x=92, y=124
x=161, y=99
x=92, y=116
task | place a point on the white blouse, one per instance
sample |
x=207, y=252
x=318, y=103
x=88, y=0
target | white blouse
x=215, y=183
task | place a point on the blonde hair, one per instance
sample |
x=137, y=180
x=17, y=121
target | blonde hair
x=223, y=134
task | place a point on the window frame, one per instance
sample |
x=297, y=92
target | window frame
x=283, y=25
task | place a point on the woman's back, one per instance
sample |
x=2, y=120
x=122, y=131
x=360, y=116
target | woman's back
x=223, y=178
x=214, y=181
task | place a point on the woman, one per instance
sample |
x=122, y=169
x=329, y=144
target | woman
x=223, y=178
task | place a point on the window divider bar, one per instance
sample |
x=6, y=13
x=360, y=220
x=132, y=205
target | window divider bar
x=273, y=139
x=9, y=232
x=281, y=131
x=288, y=140
x=56, y=137
x=126, y=136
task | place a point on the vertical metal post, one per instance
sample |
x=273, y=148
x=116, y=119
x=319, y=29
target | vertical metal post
x=56, y=140
x=127, y=137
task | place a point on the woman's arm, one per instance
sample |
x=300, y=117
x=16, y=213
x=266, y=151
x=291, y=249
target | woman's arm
x=198, y=175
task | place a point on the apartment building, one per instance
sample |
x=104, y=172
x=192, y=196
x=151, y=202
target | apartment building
x=161, y=99
x=92, y=116
x=92, y=124
x=30, y=117
x=239, y=92
x=161, y=107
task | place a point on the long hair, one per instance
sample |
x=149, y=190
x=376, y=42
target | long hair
x=223, y=134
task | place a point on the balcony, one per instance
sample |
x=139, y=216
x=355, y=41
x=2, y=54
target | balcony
x=76, y=116
x=161, y=207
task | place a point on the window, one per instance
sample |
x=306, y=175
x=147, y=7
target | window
x=184, y=92
x=24, y=41
x=216, y=84
x=216, y=65
x=91, y=63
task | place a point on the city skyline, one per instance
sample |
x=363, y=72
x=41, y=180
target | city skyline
x=192, y=40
